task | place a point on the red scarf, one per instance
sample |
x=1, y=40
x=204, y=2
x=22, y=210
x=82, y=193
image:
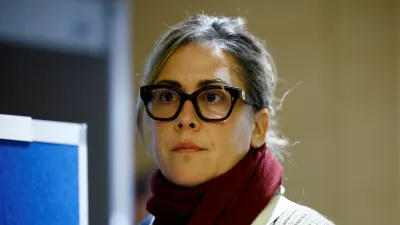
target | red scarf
x=236, y=197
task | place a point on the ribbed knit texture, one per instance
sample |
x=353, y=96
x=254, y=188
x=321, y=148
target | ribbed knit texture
x=295, y=215
x=301, y=215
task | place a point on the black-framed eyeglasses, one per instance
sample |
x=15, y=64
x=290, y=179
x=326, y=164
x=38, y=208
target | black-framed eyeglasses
x=212, y=102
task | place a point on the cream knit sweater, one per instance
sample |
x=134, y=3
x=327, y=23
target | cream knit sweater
x=294, y=215
x=282, y=211
x=301, y=215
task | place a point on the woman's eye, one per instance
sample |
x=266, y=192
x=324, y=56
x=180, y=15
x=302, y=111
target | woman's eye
x=212, y=97
x=168, y=97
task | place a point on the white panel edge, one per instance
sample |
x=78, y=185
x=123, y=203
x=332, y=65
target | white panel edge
x=83, y=177
x=56, y=132
x=16, y=128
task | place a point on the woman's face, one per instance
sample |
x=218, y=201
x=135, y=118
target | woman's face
x=188, y=150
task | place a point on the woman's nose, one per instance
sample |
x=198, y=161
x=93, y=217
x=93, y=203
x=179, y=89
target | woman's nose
x=188, y=118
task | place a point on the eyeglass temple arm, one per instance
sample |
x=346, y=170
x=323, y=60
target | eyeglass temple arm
x=247, y=99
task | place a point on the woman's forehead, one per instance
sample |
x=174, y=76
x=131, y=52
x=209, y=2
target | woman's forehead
x=191, y=65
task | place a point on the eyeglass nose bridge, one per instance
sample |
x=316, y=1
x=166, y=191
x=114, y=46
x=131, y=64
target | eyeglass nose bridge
x=188, y=97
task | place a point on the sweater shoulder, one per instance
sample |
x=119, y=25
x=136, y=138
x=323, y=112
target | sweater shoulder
x=302, y=215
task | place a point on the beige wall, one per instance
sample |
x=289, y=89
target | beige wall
x=398, y=100
x=343, y=114
x=367, y=105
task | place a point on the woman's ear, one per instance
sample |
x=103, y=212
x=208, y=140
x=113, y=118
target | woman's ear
x=261, y=121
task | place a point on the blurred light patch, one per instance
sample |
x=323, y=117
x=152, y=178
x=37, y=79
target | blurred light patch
x=72, y=26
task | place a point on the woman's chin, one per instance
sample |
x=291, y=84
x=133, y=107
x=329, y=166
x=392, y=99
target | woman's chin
x=187, y=179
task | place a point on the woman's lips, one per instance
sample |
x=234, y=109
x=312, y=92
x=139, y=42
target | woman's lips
x=187, y=146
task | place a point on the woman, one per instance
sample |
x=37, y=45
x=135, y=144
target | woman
x=208, y=92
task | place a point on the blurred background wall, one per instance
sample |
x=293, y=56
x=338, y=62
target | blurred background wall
x=398, y=99
x=344, y=114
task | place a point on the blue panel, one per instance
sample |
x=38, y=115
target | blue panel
x=38, y=184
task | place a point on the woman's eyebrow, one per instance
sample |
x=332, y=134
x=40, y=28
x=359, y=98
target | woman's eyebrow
x=170, y=82
x=201, y=83
x=210, y=81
